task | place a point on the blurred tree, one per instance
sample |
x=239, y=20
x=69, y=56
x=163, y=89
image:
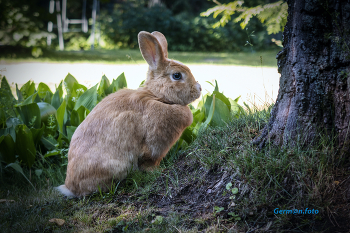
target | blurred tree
x=24, y=24
x=273, y=15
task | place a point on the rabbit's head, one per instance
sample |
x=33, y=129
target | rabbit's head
x=167, y=79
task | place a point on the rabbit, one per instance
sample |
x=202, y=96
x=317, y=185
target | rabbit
x=132, y=129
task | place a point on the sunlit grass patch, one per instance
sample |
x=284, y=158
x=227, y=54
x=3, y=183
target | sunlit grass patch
x=129, y=56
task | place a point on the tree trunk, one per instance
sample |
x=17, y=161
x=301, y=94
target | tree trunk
x=314, y=92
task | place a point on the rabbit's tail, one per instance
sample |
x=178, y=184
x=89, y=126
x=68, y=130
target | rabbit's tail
x=65, y=191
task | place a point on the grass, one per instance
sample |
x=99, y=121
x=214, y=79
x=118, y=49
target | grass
x=265, y=58
x=188, y=192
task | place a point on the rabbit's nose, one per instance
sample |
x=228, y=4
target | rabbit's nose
x=199, y=87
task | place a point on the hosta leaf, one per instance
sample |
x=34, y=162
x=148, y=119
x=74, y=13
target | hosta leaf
x=56, y=100
x=117, y=84
x=28, y=89
x=210, y=113
x=7, y=148
x=88, y=99
x=60, y=115
x=30, y=115
x=188, y=135
x=48, y=97
x=19, y=94
x=104, y=84
x=49, y=142
x=70, y=131
x=11, y=131
x=37, y=134
x=24, y=145
x=45, y=111
x=78, y=116
x=221, y=113
x=223, y=98
x=69, y=83
x=43, y=89
x=31, y=99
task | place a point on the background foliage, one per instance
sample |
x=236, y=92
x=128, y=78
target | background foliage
x=39, y=124
x=25, y=24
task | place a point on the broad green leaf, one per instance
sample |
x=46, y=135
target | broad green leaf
x=70, y=131
x=88, y=99
x=30, y=115
x=117, y=84
x=19, y=94
x=48, y=97
x=104, y=84
x=28, y=89
x=45, y=111
x=207, y=105
x=18, y=168
x=188, y=135
x=69, y=83
x=31, y=99
x=223, y=98
x=6, y=86
x=77, y=91
x=37, y=134
x=235, y=108
x=210, y=113
x=7, y=99
x=221, y=113
x=77, y=116
x=7, y=148
x=49, y=142
x=60, y=115
x=60, y=89
x=10, y=130
x=43, y=89
x=52, y=153
x=25, y=147
x=56, y=100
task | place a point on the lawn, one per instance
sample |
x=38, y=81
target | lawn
x=221, y=183
x=251, y=58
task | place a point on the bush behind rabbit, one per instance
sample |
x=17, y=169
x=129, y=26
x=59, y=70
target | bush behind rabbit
x=132, y=129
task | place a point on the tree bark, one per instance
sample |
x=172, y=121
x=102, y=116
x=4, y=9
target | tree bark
x=314, y=89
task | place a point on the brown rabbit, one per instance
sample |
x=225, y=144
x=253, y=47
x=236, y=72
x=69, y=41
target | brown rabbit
x=132, y=128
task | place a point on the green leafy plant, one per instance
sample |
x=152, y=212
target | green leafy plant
x=233, y=190
x=214, y=109
x=40, y=122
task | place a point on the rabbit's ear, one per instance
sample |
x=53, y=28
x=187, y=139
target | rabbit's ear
x=151, y=49
x=163, y=42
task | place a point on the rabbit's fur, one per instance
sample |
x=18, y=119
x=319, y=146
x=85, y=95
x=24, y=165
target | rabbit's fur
x=132, y=128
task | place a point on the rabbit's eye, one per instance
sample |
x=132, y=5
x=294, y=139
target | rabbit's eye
x=177, y=76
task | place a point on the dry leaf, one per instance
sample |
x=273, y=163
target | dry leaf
x=336, y=182
x=58, y=221
x=5, y=200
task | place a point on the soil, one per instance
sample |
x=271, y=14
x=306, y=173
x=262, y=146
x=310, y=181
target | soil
x=196, y=198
